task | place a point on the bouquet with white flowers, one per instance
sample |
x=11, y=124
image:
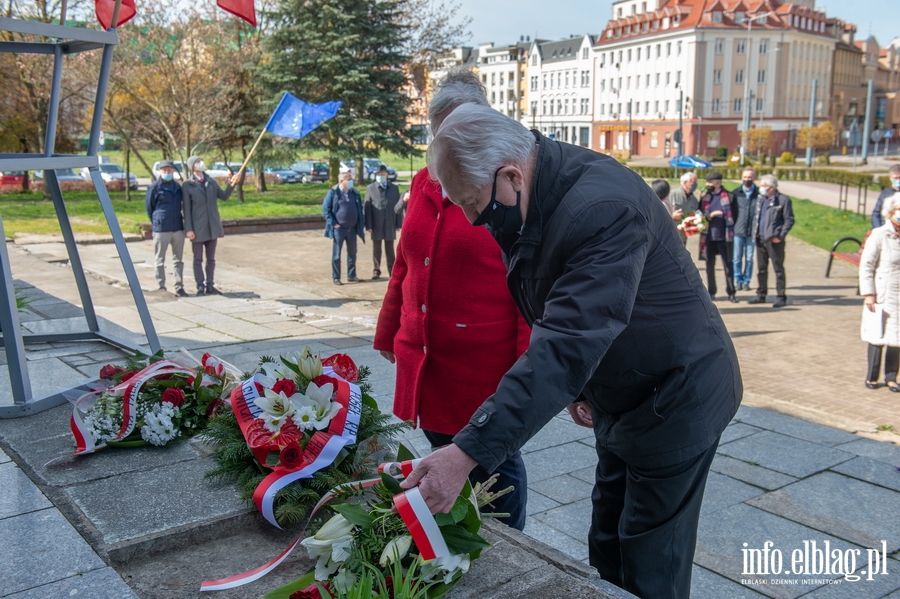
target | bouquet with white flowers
x=693, y=224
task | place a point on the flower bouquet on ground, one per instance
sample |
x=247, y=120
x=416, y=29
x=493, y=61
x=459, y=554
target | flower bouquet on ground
x=150, y=400
x=693, y=224
x=299, y=426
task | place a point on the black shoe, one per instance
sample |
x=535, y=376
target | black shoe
x=871, y=385
x=210, y=290
x=781, y=302
x=759, y=299
x=201, y=291
x=895, y=387
x=353, y=279
x=376, y=275
x=337, y=282
x=181, y=293
x=732, y=299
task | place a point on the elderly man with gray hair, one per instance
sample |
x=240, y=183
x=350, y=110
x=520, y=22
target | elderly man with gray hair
x=773, y=219
x=684, y=201
x=624, y=336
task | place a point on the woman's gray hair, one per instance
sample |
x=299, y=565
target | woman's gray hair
x=474, y=141
x=459, y=86
x=768, y=181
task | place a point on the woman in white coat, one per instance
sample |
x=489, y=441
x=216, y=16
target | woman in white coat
x=879, y=283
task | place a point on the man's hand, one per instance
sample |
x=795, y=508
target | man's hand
x=440, y=477
x=235, y=179
x=716, y=214
x=337, y=226
x=190, y=235
x=776, y=240
x=389, y=356
x=581, y=413
x=678, y=214
x=870, y=302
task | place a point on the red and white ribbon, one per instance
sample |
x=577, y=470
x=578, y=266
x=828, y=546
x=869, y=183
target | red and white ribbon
x=421, y=524
x=237, y=580
x=405, y=468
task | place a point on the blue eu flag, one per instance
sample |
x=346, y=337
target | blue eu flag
x=295, y=118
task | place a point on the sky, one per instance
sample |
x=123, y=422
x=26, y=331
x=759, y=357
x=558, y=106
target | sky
x=505, y=21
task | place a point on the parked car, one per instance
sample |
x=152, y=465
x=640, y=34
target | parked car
x=311, y=170
x=284, y=174
x=12, y=178
x=372, y=165
x=220, y=169
x=156, y=172
x=111, y=172
x=685, y=161
x=62, y=174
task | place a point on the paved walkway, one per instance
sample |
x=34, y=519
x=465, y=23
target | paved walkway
x=793, y=467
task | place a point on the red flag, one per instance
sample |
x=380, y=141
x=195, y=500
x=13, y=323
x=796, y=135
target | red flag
x=243, y=9
x=105, y=8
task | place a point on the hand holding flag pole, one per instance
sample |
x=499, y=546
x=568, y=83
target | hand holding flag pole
x=293, y=118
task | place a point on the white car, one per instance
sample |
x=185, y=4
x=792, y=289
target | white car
x=219, y=169
x=111, y=172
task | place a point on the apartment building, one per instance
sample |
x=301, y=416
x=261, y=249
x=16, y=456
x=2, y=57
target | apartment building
x=713, y=61
x=502, y=71
x=560, y=89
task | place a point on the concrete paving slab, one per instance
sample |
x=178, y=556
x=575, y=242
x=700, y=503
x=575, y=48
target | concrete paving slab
x=720, y=546
x=794, y=427
x=563, y=489
x=19, y=495
x=538, y=503
x=723, y=492
x=559, y=431
x=573, y=519
x=824, y=502
x=750, y=473
x=562, y=459
x=588, y=475
x=737, y=430
x=877, y=450
x=880, y=586
x=176, y=495
x=575, y=548
x=96, y=584
x=46, y=375
x=4, y=458
x=709, y=585
x=63, y=552
x=872, y=471
x=781, y=453
x=235, y=326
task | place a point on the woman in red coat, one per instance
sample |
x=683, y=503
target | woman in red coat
x=451, y=324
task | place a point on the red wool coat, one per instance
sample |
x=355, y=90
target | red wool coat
x=447, y=315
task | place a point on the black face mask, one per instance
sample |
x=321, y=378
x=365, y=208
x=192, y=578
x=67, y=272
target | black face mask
x=499, y=217
x=710, y=189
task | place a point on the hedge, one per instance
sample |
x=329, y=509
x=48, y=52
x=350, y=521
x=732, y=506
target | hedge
x=821, y=175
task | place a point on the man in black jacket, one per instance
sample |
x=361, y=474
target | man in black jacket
x=623, y=335
x=773, y=219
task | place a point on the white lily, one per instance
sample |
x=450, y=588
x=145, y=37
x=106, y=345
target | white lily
x=275, y=404
x=309, y=363
x=395, y=550
x=337, y=526
x=330, y=546
x=450, y=565
x=314, y=410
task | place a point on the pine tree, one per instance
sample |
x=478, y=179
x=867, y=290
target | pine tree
x=348, y=50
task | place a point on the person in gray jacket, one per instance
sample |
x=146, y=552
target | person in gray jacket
x=624, y=335
x=684, y=201
x=202, y=223
x=382, y=219
x=773, y=219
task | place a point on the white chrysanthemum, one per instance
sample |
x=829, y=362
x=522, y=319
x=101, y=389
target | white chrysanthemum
x=159, y=427
x=319, y=400
x=305, y=418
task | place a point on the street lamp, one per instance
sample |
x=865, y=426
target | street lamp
x=747, y=80
x=699, y=133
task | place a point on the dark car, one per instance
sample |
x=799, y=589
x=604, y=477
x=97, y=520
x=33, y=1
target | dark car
x=685, y=161
x=62, y=174
x=311, y=171
x=284, y=174
x=372, y=165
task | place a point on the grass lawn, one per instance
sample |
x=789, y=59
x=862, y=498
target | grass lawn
x=821, y=226
x=30, y=214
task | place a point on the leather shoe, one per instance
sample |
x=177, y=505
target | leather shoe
x=337, y=282
x=210, y=290
x=895, y=387
x=759, y=299
x=353, y=279
x=781, y=302
x=181, y=293
x=871, y=385
x=201, y=291
x=732, y=299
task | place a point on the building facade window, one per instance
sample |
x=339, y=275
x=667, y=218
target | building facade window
x=656, y=106
x=544, y=107
x=739, y=76
x=629, y=54
x=764, y=46
x=658, y=50
x=657, y=80
x=741, y=46
x=584, y=52
x=668, y=48
x=638, y=54
x=720, y=46
x=738, y=104
x=716, y=105
x=667, y=106
x=679, y=48
x=760, y=104
x=739, y=17
x=717, y=17
x=668, y=78
x=678, y=78
x=647, y=106
x=603, y=85
x=761, y=76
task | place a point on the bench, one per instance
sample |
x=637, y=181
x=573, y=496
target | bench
x=851, y=257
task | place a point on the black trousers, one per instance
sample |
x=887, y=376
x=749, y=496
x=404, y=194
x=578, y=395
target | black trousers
x=644, y=525
x=765, y=251
x=511, y=473
x=725, y=249
x=891, y=363
x=376, y=255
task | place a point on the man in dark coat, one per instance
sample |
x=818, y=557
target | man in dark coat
x=772, y=221
x=343, y=223
x=163, y=203
x=623, y=335
x=382, y=219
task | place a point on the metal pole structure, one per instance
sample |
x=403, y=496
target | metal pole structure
x=868, y=128
x=629, y=129
x=747, y=92
x=699, y=132
x=680, y=122
x=812, y=123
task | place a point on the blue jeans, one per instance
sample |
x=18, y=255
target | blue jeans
x=511, y=473
x=342, y=236
x=743, y=249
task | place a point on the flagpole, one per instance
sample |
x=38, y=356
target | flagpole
x=250, y=155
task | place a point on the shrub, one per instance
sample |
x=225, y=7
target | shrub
x=787, y=158
x=721, y=153
x=824, y=158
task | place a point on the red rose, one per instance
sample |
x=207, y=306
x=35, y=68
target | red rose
x=127, y=375
x=174, y=396
x=311, y=592
x=214, y=405
x=258, y=437
x=323, y=379
x=291, y=456
x=289, y=434
x=344, y=367
x=109, y=372
x=285, y=386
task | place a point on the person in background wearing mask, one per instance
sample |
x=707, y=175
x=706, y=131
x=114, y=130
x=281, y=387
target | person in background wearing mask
x=773, y=219
x=744, y=199
x=382, y=219
x=343, y=222
x=721, y=213
x=684, y=201
x=163, y=204
x=879, y=213
x=879, y=270
x=202, y=222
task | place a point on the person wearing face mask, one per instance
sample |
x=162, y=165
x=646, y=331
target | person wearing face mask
x=879, y=271
x=721, y=213
x=163, y=203
x=202, y=222
x=773, y=219
x=744, y=199
x=344, y=221
x=879, y=213
x=382, y=219
x=684, y=200
x=448, y=320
